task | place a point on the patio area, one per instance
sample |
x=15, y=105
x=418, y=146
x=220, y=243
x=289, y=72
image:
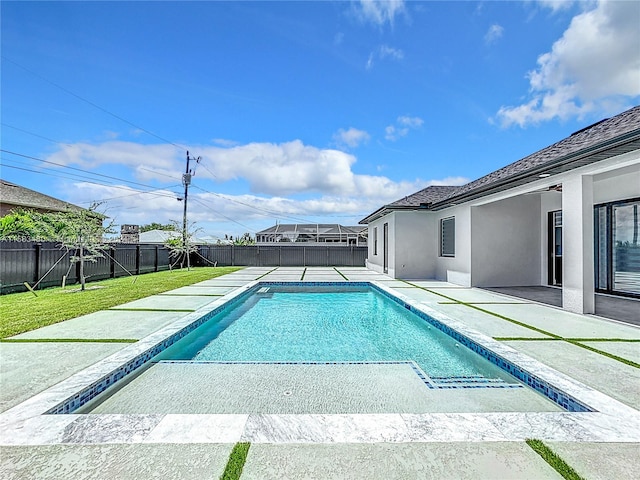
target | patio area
x=622, y=309
x=597, y=358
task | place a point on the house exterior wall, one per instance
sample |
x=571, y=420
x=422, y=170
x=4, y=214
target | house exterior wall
x=415, y=246
x=375, y=260
x=501, y=239
x=505, y=247
x=456, y=269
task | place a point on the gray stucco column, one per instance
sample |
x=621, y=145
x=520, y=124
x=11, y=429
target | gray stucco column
x=578, y=293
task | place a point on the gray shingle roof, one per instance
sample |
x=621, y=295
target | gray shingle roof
x=15, y=195
x=428, y=195
x=579, y=141
x=578, y=149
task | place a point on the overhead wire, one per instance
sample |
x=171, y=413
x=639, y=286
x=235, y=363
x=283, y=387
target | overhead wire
x=93, y=104
x=119, y=117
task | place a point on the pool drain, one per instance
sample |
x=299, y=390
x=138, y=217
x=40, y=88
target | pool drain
x=287, y=393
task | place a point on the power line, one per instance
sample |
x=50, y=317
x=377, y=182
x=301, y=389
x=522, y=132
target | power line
x=67, y=177
x=224, y=216
x=75, y=168
x=34, y=134
x=95, y=105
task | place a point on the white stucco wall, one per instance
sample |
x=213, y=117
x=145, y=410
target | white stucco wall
x=617, y=185
x=415, y=248
x=375, y=261
x=455, y=269
x=506, y=246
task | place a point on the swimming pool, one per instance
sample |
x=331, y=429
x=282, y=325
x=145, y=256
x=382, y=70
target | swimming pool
x=339, y=323
x=225, y=364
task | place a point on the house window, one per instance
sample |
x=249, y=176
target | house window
x=375, y=240
x=448, y=237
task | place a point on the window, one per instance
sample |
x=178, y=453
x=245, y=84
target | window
x=375, y=240
x=448, y=237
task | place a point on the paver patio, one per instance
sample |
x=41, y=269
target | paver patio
x=439, y=445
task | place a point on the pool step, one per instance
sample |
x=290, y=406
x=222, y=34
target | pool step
x=471, y=381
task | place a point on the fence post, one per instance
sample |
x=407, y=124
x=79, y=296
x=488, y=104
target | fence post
x=38, y=265
x=233, y=255
x=112, y=266
x=138, y=259
x=155, y=265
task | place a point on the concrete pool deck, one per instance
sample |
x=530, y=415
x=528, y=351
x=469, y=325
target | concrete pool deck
x=385, y=445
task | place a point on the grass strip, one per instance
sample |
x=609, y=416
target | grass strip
x=265, y=274
x=606, y=354
x=22, y=312
x=304, y=272
x=235, y=464
x=341, y=274
x=576, y=342
x=549, y=456
x=68, y=340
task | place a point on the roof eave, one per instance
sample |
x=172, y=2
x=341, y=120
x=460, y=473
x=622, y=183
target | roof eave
x=560, y=165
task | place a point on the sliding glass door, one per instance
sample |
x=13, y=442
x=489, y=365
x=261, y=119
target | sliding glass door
x=617, y=247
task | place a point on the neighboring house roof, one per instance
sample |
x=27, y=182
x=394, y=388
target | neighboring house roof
x=12, y=195
x=602, y=140
x=421, y=199
x=157, y=236
x=312, y=228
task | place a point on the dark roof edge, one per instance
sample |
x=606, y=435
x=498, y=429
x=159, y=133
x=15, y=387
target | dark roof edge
x=382, y=211
x=500, y=185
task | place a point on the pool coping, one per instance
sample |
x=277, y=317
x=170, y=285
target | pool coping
x=28, y=423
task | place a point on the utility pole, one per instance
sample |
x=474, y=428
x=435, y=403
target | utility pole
x=186, y=181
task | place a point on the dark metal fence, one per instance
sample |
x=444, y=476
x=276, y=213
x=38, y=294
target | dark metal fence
x=282, y=256
x=45, y=264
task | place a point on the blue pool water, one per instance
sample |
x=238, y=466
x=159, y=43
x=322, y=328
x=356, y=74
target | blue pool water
x=328, y=324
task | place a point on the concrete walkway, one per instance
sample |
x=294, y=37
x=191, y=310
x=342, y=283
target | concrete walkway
x=591, y=355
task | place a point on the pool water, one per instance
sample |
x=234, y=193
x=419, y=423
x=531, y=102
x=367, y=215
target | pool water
x=328, y=324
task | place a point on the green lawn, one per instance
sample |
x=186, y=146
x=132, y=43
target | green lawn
x=22, y=312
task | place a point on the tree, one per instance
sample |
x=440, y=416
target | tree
x=245, y=239
x=158, y=226
x=80, y=232
x=83, y=236
x=182, y=246
x=25, y=224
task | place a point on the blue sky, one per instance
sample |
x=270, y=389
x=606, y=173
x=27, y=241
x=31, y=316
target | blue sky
x=301, y=112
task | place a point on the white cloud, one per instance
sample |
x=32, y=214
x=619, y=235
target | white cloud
x=223, y=142
x=350, y=138
x=395, y=53
x=556, y=5
x=379, y=12
x=494, y=33
x=595, y=66
x=413, y=122
x=286, y=180
x=402, y=127
x=383, y=52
